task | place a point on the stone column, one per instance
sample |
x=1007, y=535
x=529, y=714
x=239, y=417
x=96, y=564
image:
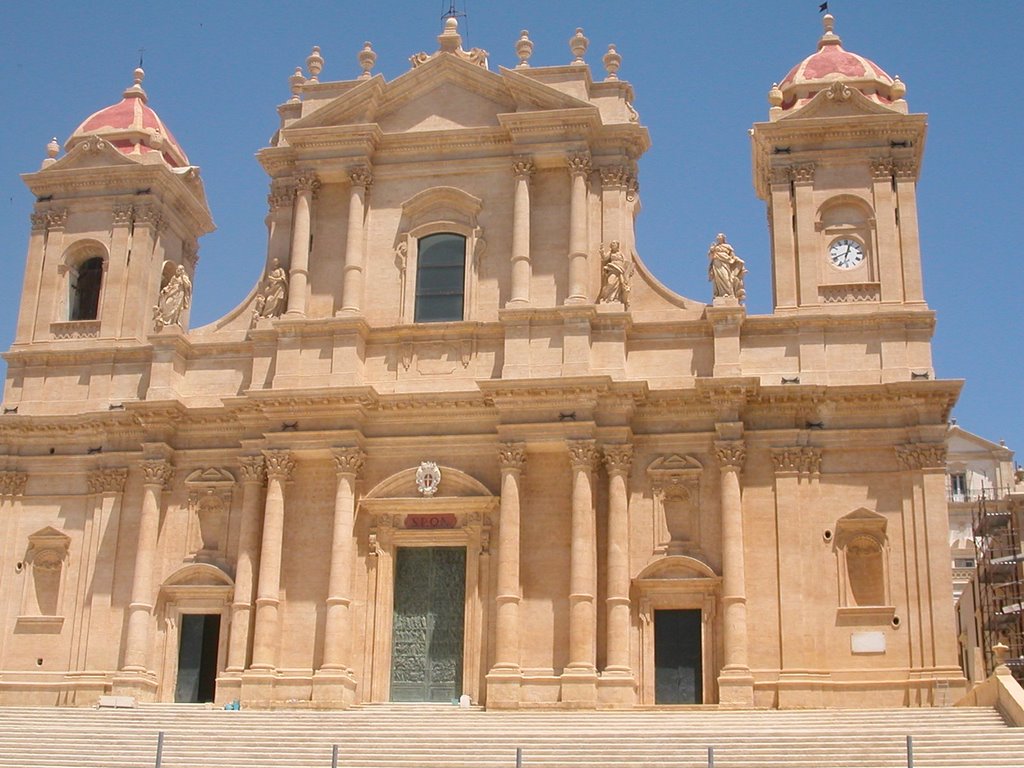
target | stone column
x=582, y=574
x=279, y=469
x=786, y=272
x=905, y=173
x=808, y=241
x=618, y=460
x=736, y=686
x=338, y=630
x=512, y=458
x=298, y=271
x=522, y=271
x=352, y=282
x=155, y=474
x=579, y=171
x=253, y=476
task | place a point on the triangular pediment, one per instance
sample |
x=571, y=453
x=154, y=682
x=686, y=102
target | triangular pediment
x=838, y=101
x=959, y=440
x=91, y=153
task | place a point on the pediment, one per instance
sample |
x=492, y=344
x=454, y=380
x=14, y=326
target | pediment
x=93, y=152
x=403, y=485
x=198, y=575
x=841, y=100
x=960, y=440
x=676, y=567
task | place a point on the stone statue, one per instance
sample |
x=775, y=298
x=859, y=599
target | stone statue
x=273, y=293
x=726, y=270
x=175, y=298
x=616, y=270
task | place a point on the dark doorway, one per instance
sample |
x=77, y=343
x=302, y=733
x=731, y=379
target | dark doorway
x=678, y=676
x=197, y=657
x=426, y=648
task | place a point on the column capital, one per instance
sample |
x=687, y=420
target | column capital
x=881, y=168
x=730, y=454
x=307, y=181
x=122, y=215
x=156, y=472
x=618, y=459
x=253, y=469
x=54, y=218
x=280, y=464
x=361, y=176
x=802, y=173
x=348, y=461
x=523, y=167
x=583, y=454
x=921, y=456
x=905, y=169
x=108, y=480
x=512, y=456
x=579, y=163
x=797, y=460
x=13, y=483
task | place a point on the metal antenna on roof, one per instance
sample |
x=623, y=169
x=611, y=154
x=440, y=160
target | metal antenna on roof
x=141, y=51
x=454, y=13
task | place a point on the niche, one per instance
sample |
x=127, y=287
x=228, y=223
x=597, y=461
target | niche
x=862, y=556
x=45, y=571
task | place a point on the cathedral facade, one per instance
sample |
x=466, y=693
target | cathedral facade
x=458, y=440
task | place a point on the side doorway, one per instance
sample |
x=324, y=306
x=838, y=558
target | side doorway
x=198, y=643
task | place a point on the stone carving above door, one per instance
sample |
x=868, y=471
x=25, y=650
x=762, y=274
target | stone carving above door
x=675, y=488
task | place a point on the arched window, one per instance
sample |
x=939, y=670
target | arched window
x=440, y=278
x=86, y=281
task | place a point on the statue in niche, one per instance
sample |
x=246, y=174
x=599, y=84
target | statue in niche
x=175, y=297
x=616, y=270
x=726, y=270
x=273, y=293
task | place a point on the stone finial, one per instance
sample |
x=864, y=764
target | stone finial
x=775, y=95
x=578, y=45
x=450, y=40
x=898, y=89
x=315, y=64
x=828, y=21
x=612, y=61
x=524, y=49
x=367, y=58
x=135, y=89
x=52, y=149
x=296, y=81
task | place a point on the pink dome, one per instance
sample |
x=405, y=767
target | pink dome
x=133, y=127
x=832, y=63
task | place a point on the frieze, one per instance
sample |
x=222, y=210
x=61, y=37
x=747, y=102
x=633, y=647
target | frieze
x=583, y=454
x=348, y=461
x=922, y=456
x=798, y=460
x=13, y=483
x=107, y=480
x=512, y=456
x=75, y=329
x=730, y=454
x=850, y=293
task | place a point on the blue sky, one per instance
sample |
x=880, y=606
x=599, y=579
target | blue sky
x=216, y=71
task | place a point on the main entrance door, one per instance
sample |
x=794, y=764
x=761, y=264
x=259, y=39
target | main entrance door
x=426, y=647
x=677, y=658
x=197, y=657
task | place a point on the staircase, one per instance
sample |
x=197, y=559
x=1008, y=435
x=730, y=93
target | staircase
x=414, y=736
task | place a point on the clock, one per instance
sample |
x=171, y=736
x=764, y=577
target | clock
x=846, y=253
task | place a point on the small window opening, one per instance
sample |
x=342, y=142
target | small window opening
x=85, y=290
x=440, y=278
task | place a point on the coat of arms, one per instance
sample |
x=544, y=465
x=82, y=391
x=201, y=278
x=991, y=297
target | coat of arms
x=428, y=478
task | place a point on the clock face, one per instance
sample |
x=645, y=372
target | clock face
x=846, y=253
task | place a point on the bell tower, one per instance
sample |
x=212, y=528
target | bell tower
x=837, y=164
x=115, y=219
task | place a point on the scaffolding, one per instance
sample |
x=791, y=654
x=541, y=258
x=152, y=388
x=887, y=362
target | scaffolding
x=999, y=583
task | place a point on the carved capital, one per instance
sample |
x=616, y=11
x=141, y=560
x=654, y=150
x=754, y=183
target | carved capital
x=348, y=461
x=881, y=168
x=361, y=176
x=905, y=169
x=54, y=218
x=583, y=454
x=150, y=216
x=252, y=469
x=307, y=182
x=38, y=219
x=802, y=173
x=280, y=465
x=579, y=163
x=108, y=480
x=782, y=174
x=13, y=483
x=615, y=176
x=618, y=459
x=157, y=472
x=512, y=456
x=122, y=215
x=523, y=168
x=922, y=456
x=730, y=454
x=803, y=461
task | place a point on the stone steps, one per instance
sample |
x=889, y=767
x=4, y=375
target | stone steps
x=408, y=736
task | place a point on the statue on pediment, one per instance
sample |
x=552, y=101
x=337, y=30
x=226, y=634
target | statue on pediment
x=175, y=298
x=273, y=293
x=726, y=270
x=616, y=271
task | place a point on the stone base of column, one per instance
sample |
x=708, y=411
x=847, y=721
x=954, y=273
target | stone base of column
x=736, y=688
x=803, y=690
x=504, y=688
x=616, y=689
x=333, y=689
x=229, y=687
x=579, y=688
x=140, y=685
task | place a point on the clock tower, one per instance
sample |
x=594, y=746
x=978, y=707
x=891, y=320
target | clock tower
x=837, y=163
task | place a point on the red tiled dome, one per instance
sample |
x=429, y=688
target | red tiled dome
x=133, y=127
x=832, y=63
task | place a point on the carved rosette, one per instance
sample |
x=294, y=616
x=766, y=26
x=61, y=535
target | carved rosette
x=802, y=173
x=839, y=91
x=121, y=215
x=921, y=457
x=881, y=168
x=800, y=461
x=583, y=454
x=361, y=176
x=730, y=454
x=618, y=459
x=280, y=465
x=108, y=480
x=252, y=469
x=523, y=168
x=158, y=472
x=13, y=483
x=579, y=164
x=512, y=457
x=349, y=461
